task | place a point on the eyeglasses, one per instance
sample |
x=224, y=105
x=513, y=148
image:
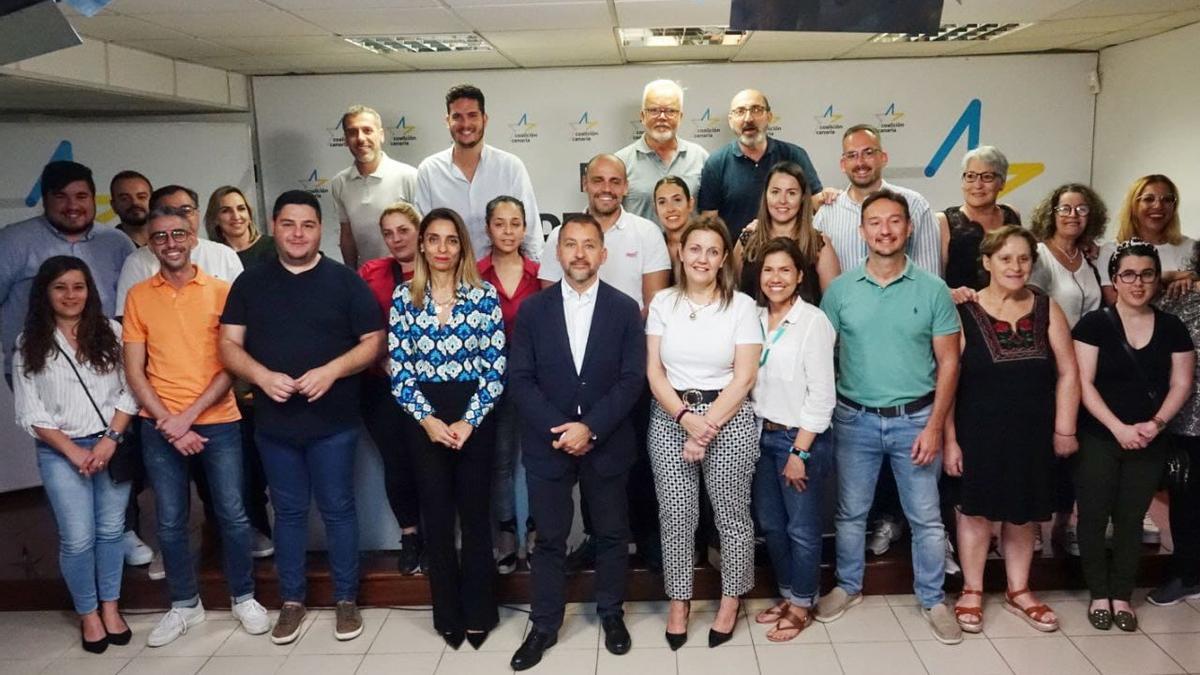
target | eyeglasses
x=1067, y=209
x=178, y=236
x=988, y=177
x=867, y=153
x=669, y=113
x=1145, y=276
x=753, y=111
x=1151, y=200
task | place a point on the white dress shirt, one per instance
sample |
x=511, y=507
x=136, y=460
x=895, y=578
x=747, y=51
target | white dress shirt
x=578, y=309
x=795, y=377
x=636, y=247
x=442, y=184
x=54, y=399
x=358, y=200
x=217, y=260
x=841, y=219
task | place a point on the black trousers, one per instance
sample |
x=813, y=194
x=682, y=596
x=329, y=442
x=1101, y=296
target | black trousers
x=552, y=505
x=390, y=428
x=1185, y=518
x=456, y=483
x=255, y=494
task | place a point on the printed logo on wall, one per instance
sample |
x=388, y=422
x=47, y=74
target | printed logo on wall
x=315, y=185
x=62, y=152
x=829, y=123
x=403, y=134
x=337, y=138
x=969, y=123
x=706, y=126
x=890, y=120
x=775, y=128
x=585, y=130
x=523, y=131
x=636, y=129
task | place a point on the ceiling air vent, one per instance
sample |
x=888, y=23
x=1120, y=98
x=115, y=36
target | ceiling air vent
x=420, y=44
x=687, y=36
x=952, y=32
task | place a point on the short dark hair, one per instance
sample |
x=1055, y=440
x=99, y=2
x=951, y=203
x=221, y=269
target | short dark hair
x=59, y=174
x=128, y=174
x=163, y=211
x=299, y=197
x=584, y=219
x=891, y=196
x=1133, y=247
x=788, y=246
x=168, y=190
x=862, y=127
x=464, y=91
x=672, y=179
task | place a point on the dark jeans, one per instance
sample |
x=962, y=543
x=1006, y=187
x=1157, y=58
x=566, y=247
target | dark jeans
x=389, y=427
x=457, y=483
x=299, y=471
x=1114, y=483
x=1185, y=518
x=167, y=471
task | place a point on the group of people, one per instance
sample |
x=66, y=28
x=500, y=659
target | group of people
x=718, y=324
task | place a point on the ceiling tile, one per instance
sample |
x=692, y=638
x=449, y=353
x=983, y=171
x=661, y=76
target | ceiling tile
x=292, y=5
x=545, y=16
x=453, y=60
x=1097, y=23
x=1115, y=38
x=876, y=50
x=135, y=7
x=663, y=13
x=118, y=28
x=1089, y=8
x=686, y=53
x=188, y=48
x=532, y=48
x=1175, y=20
x=1005, y=11
x=785, y=46
x=300, y=44
x=460, y=4
x=385, y=21
x=268, y=23
x=1019, y=43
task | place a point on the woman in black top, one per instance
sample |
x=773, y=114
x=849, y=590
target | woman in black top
x=1136, y=364
x=985, y=170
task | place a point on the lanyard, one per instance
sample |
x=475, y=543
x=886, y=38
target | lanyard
x=762, y=360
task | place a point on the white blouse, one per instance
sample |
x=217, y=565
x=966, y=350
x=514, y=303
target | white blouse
x=54, y=399
x=795, y=377
x=698, y=352
x=1077, y=293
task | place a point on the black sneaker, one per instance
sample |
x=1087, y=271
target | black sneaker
x=1172, y=593
x=410, y=553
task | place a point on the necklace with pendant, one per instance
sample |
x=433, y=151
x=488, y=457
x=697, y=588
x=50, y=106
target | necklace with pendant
x=694, y=309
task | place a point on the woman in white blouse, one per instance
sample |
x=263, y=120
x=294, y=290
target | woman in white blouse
x=795, y=398
x=68, y=345
x=703, y=343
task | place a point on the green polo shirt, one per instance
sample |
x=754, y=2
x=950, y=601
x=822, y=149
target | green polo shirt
x=885, y=333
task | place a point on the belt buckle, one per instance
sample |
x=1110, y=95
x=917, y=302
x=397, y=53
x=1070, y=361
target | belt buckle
x=692, y=397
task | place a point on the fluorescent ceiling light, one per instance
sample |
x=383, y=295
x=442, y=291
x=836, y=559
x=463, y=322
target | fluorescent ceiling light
x=950, y=32
x=683, y=36
x=420, y=44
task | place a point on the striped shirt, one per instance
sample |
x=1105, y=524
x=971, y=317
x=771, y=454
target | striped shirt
x=840, y=221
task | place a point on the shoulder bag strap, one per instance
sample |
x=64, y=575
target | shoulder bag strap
x=1137, y=365
x=85, y=389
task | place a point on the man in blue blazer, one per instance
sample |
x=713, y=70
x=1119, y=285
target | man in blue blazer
x=577, y=364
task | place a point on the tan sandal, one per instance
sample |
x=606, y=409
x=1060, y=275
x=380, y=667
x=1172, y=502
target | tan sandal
x=1034, y=615
x=772, y=614
x=960, y=613
x=790, y=621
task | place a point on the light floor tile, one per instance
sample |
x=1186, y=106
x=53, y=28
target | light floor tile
x=319, y=639
x=145, y=664
x=816, y=633
x=1038, y=656
x=701, y=622
x=866, y=624
x=87, y=666
x=793, y=658
x=241, y=643
x=580, y=608
x=135, y=647
x=324, y=664
x=242, y=665
x=916, y=627
x=23, y=666
x=646, y=629
x=1072, y=617
x=872, y=658
x=399, y=664
x=579, y=631
x=977, y=657
x=1000, y=623
x=402, y=634
x=1126, y=655
x=1181, y=618
x=902, y=600
x=657, y=660
x=646, y=607
x=508, y=634
x=572, y=662
x=201, y=640
x=1183, y=647
x=723, y=660
x=472, y=662
x=33, y=635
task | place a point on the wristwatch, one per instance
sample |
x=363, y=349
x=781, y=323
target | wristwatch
x=113, y=434
x=801, y=453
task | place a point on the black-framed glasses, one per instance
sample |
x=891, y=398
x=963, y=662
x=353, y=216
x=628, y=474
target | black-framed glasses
x=669, y=113
x=752, y=110
x=1067, y=209
x=988, y=177
x=178, y=236
x=1151, y=200
x=1146, y=276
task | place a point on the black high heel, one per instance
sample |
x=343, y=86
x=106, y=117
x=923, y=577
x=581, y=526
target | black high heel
x=677, y=640
x=717, y=638
x=454, y=638
x=120, y=639
x=476, y=640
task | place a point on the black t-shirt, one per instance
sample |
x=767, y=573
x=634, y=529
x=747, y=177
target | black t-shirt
x=296, y=322
x=1123, y=390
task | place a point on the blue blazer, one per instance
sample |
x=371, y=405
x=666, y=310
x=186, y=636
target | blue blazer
x=548, y=391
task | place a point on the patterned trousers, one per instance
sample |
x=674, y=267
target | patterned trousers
x=728, y=468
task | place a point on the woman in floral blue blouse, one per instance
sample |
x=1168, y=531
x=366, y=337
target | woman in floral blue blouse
x=447, y=365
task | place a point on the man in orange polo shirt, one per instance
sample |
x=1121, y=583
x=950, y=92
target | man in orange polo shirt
x=171, y=362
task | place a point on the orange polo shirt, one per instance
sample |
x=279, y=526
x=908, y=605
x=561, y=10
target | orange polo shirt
x=179, y=328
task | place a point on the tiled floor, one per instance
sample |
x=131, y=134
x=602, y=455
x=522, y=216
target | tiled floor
x=886, y=634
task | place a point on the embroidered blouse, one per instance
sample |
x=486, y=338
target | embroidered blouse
x=470, y=346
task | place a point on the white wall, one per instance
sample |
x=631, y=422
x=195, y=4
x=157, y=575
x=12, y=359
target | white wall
x=1146, y=119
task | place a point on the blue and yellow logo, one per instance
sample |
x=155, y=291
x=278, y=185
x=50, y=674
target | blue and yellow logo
x=969, y=123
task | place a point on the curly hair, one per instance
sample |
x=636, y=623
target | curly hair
x=98, y=344
x=1042, y=226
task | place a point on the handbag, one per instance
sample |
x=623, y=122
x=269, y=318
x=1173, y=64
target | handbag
x=1179, y=464
x=124, y=465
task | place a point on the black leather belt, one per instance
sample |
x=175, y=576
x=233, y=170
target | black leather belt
x=891, y=411
x=691, y=397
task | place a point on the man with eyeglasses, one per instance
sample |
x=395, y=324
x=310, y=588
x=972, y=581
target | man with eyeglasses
x=660, y=151
x=732, y=182
x=171, y=323
x=217, y=260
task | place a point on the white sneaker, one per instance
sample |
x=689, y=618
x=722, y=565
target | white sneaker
x=157, y=572
x=952, y=567
x=252, y=615
x=136, y=551
x=1150, y=531
x=261, y=546
x=885, y=532
x=175, y=623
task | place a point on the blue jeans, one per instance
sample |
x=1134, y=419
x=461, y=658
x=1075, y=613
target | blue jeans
x=167, y=471
x=789, y=519
x=297, y=472
x=863, y=441
x=90, y=513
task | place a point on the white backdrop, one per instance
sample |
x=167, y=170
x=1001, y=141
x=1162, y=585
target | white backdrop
x=202, y=156
x=1037, y=109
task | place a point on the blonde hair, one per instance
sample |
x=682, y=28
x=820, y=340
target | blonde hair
x=403, y=208
x=1127, y=226
x=212, y=223
x=726, y=284
x=464, y=273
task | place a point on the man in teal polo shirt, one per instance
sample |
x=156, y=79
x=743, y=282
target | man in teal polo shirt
x=898, y=368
